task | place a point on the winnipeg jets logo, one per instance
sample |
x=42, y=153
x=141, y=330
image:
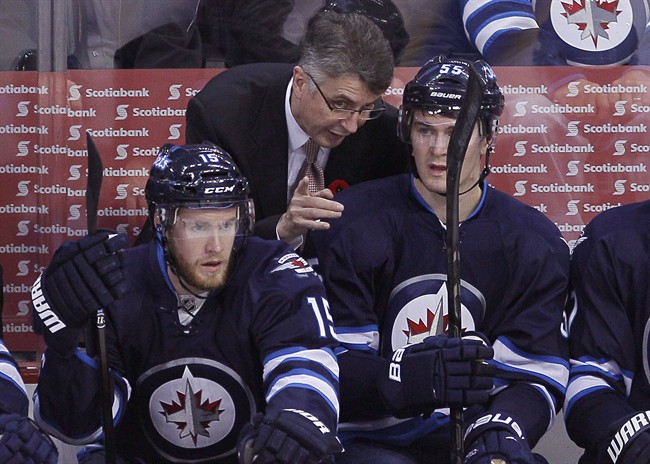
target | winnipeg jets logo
x=592, y=17
x=590, y=27
x=190, y=413
x=422, y=311
x=192, y=409
x=419, y=330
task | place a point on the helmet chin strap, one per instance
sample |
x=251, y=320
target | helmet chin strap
x=481, y=177
x=171, y=264
x=172, y=267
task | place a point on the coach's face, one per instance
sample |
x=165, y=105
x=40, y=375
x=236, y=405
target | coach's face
x=312, y=104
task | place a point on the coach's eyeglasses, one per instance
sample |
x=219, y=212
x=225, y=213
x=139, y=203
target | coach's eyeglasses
x=345, y=113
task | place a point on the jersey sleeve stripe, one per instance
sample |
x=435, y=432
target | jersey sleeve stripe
x=485, y=11
x=580, y=391
x=484, y=36
x=9, y=369
x=359, y=338
x=324, y=357
x=550, y=371
x=303, y=380
x=599, y=367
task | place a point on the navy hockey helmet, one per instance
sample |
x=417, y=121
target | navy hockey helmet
x=439, y=87
x=384, y=13
x=197, y=176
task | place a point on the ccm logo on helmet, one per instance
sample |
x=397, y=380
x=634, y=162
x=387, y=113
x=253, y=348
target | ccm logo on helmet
x=219, y=189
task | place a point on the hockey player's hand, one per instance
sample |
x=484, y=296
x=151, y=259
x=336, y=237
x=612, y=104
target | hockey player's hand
x=84, y=275
x=22, y=442
x=306, y=210
x=496, y=437
x=439, y=371
x=290, y=436
x=630, y=444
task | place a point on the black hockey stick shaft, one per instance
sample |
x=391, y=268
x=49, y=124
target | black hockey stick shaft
x=93, y=189
x=458, y=144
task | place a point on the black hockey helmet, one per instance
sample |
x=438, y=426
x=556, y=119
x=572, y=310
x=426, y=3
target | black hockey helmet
x=197, y=176
x=440, y=86
x=384, y=13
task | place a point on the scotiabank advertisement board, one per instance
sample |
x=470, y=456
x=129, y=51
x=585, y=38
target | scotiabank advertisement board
x=572, y=142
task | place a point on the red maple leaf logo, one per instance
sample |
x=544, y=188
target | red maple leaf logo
x=190, y=415
x=420, y=327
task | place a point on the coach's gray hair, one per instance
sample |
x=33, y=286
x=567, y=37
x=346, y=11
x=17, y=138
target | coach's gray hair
x=350, y=43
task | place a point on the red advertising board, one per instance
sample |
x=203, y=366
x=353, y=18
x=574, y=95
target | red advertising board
x=572, y=142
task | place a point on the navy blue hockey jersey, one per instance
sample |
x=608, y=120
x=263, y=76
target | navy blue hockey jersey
x=263, y=342
x=13, y=397
x=384, y=266
x=506, y=32
x=609, y=329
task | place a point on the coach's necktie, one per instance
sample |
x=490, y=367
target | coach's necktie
x=311, y=168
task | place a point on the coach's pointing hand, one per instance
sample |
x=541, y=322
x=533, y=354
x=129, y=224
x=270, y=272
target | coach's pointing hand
x=305, y=212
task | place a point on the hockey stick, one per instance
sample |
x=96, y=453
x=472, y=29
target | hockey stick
x=456, y=150
x=93, y=188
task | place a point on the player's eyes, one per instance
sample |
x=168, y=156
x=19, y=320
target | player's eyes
x=199, y=227
x=424, y=131
x=226, y=225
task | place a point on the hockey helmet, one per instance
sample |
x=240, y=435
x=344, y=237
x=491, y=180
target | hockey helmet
x=440, y=86
x=384, y=13
x=197, y=176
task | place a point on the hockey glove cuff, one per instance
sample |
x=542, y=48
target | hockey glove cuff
x=21, y=441
x=630, y=444
x=497, y=436
x=290, y=436
x=84, y=275
x=440, y=371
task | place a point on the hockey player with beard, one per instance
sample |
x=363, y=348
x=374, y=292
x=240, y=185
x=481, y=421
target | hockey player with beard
x=219, y=343
x=384, y=266
x=608, y=395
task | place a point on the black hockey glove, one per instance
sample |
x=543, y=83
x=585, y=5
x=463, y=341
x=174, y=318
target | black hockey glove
x=440, y=371
x=630, y=444
x=22, y=442
x=495, y=437
x=290, y=436
x=82, y=277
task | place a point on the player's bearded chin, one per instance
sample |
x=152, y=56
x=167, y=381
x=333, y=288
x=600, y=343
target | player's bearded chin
x=193, y=274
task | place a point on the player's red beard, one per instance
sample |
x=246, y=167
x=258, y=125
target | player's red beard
x=192, y=273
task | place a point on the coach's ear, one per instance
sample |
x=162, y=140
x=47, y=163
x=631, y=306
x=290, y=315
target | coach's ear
x=300, y=79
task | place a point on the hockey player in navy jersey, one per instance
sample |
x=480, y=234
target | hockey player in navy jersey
x=527, y=32
x=21, y=441
x=607, y=409
x=384, y=267
x=220, y=344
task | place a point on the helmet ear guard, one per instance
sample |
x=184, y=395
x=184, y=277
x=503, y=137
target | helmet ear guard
x=404, y=119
